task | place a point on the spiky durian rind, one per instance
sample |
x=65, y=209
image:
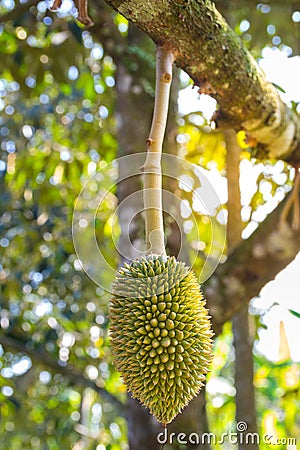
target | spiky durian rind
x=160, y=333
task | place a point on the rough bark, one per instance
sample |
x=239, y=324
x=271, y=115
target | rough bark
x=244, y=370
x=215, y=58
x=253, y=263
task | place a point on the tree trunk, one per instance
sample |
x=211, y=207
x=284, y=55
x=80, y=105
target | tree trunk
x=143, y=428
x=192, y=421
x=243, y=380
x=244, y=371
x=215, y=58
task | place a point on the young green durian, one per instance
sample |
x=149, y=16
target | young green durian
x=160, y=333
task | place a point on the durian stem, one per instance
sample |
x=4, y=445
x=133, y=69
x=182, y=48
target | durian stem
x=154, y=226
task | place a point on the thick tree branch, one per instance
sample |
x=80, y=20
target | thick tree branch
x=255, y=262
x=215, y=58
x=15, y=344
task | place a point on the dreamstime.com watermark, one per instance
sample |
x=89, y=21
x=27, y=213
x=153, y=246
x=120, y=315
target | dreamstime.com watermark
x=240, y=436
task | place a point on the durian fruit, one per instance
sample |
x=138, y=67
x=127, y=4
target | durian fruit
x=160, y=333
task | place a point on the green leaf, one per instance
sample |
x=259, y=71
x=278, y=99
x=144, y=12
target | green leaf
x=279, y=88
x=295, y=313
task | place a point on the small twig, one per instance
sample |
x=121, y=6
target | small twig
x=82, y=6
x=152, y=168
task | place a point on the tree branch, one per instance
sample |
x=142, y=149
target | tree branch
x=15, y=344
x=215, y=58
x=253, y=3
x=255, y=262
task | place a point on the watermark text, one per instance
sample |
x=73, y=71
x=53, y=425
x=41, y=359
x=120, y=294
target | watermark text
x=240, y=436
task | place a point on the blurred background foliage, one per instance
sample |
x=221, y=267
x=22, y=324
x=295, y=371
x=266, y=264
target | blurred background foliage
x=58, y=126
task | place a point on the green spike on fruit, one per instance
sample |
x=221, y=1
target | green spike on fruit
x=160, y=333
